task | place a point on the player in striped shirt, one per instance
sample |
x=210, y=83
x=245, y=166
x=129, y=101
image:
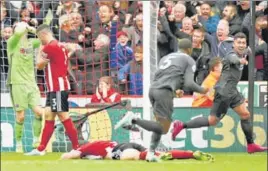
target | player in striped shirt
x=53, y=57
x=21, y=80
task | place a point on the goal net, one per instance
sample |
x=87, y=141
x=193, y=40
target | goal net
x=107, y=47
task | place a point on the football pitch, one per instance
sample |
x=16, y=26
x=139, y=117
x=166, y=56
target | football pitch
x=51, y=162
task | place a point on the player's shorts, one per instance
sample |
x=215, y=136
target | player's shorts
x=24, y=96
x=58, y=101
x=118, y=149
x=162, y=102
x=221, y=103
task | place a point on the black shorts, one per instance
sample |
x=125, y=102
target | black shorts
x=118, y=149
x=58, y=101
x=162, y=102
x=221, y=103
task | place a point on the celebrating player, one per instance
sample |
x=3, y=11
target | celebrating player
x=227, y=95
x=54, y=58
x=175, y=71
x=21, y=80
x=129, y=151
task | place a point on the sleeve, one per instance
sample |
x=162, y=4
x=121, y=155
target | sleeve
x=232, y=58
x=94, y=99
x=123, y=71
x=46, y=52
x=36, y=43
x=15, y=38
x=117, y=98
x=189, y=78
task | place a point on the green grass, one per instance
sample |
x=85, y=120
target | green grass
x=51, y=162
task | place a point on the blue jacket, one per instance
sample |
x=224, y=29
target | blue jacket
x=134, y=71
x=119, y=55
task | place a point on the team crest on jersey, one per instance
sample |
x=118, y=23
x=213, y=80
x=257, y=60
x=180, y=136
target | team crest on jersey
x=25, y=51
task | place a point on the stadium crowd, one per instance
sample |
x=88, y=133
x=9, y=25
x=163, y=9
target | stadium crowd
x=109, y=36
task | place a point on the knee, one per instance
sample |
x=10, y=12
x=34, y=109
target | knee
x=63, y=116
x=20, y=116
x=213, y=121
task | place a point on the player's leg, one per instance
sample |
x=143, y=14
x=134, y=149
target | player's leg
x=20, y=104
x=47, y=130
x=218, y=110
x=61, y=107
x=34, y=103
x=239, y=106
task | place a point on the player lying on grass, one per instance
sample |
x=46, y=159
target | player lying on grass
x=129, y=151
x=21, y=80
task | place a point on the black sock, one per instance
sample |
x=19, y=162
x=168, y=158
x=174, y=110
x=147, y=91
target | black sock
x=155, y=141
x=149, y=125
x=196, y=123
x=247, y=128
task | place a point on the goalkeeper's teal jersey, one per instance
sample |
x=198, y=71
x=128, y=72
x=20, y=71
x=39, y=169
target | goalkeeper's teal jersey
x=21, y=59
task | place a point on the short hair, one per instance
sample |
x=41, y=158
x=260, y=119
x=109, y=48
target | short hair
x=240, y=35
x=43, y=27
x=200, y=30
x=185, y=44
x=138, y=49
x=213, y=62
x=186, y=19
x=234, y=9
x=180, y=6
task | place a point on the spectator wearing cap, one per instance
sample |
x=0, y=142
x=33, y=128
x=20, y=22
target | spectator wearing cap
x=105, y=92
x=120, y=53
x=132, y=73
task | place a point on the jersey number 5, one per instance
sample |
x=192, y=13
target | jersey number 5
x=167, y=62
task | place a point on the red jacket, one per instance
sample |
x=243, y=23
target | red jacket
x=112, y=96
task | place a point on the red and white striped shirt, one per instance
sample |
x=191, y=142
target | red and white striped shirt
x=57, y=68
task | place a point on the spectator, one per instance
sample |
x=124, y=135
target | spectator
x=178, y=12
x=206, y=100
x=230, y=14
x=105, y=93
x=121, y=53
x=207, y=19
x=135, y=32
x=220, y=43
x=201, y=54
x=5, y=21
x=134, y=72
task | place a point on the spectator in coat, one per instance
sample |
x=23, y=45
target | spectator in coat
x=132, y=73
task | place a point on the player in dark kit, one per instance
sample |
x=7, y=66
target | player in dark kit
x=175, y=71
x=227, y=95
x=53, y=56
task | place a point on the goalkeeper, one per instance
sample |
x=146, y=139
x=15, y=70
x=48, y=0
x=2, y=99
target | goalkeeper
x=21, y=80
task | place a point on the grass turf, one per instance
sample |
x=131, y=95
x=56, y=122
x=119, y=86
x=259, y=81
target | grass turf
x=51, y=162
